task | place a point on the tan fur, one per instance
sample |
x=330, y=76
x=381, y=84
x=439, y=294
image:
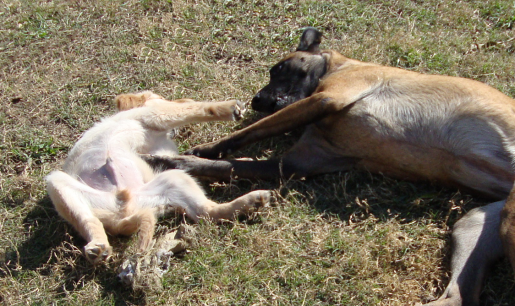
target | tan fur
x=105, y=186
x=400, y=123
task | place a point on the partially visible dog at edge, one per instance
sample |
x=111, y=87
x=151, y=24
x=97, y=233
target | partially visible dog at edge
x=401, y=123
x=105, y=186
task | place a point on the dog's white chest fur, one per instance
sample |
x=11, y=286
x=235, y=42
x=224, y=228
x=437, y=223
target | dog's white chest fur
x=104, y=157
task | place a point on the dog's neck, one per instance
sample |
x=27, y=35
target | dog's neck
x=335, y=61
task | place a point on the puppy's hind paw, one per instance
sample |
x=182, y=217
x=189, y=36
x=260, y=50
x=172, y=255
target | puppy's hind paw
x=262, y=198
x=252, y=201
x=97, y=252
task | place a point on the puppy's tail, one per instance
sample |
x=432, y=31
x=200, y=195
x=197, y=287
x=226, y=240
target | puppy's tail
x=134, y=219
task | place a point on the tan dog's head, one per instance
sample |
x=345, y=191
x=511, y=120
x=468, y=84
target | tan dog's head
x=128, y=101
x=295, y=77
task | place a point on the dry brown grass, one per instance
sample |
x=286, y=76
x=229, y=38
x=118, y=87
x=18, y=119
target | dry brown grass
x=348, y=239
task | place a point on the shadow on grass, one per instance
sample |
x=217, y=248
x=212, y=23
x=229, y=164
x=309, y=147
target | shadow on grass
x=355, y=195
x=358, y=195
x=46, y=232
x=54, y=249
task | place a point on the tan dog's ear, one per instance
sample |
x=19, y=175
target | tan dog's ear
x=128, y=101
x=310, y=40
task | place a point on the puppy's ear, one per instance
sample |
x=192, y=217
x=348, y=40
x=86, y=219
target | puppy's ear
x=128, y=101
x=310, y=40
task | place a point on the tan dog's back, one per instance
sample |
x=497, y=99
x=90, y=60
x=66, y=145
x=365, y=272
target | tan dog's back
x=416, y=126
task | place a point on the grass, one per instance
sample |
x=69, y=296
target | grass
x=346, y=238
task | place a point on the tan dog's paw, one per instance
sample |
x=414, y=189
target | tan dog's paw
x=128, y=101
x=97, y=252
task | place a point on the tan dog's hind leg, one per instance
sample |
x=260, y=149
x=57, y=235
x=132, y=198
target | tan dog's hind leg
x=177, y=188
x=508, y=227
x=476, y=245
x=71, y=200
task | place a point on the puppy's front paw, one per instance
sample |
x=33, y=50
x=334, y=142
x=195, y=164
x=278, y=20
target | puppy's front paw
x=239, y=109
x=97, y=252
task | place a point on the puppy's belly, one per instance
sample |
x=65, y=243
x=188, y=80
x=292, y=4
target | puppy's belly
x=115, y=173
x=100, y=179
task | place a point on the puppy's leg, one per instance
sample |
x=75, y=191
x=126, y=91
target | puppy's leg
x=177, y=188
x=132, y=100
x=142, y=220
x=164, y=115
x=242, y=206
x=72, y=200
x=476, y=244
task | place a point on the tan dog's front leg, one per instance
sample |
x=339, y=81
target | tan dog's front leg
x=294, y=116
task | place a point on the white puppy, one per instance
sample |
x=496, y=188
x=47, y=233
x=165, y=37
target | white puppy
x=106, y=187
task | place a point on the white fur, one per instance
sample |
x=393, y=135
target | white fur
x=106, y=186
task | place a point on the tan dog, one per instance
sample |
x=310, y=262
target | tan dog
x=106, y=186
x=387, y=120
